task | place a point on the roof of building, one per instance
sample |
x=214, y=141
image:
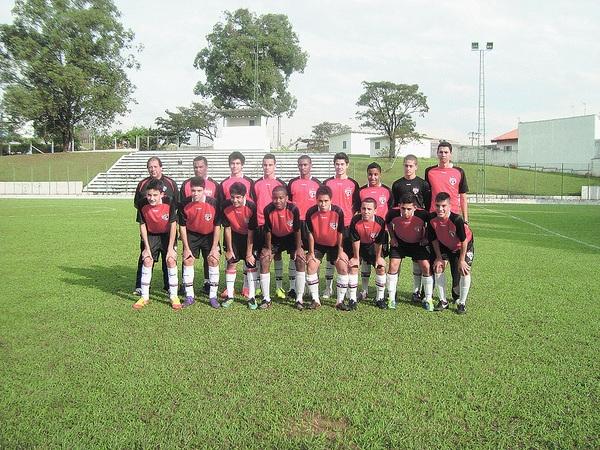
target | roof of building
x=353, y=132
x=510, y=136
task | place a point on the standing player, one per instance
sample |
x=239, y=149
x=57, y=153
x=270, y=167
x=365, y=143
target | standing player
x=282, y=233
x=199, y=226
x=452, y=241
x=158, y=229
x=169, y=188
x=407, y=226
x=325, y=223
x=239, y=223
x=303, y=193
x=367, y=233
x=345, y=195
x=383, y=196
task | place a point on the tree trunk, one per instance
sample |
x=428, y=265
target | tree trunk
x=392, y=150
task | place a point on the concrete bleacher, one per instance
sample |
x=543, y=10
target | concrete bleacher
x=124, y=175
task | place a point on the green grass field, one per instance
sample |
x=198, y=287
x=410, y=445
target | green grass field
x=81, y=369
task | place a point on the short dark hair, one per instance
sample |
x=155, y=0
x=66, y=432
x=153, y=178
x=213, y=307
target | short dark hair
x=237, y=155
x=154, y=158
x=445, y=144
x=305, y=157
x=237, y=188
x=411, y=157
x=200, y=158
x=269, y=156
x=324, y=190
x=373, y=165
x=408, y=198
x=442, y=196
x=279, y=189
x=369, y=200
x=156, y=185
x=197, y=182
x=341, y=155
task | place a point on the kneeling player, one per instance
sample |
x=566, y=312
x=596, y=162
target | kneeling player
x=158, y=229
x=452, y=241
x=199, y=226
x=407, y=227
x=282, y=233
x=239, y=223
x=325, y=223
x=367, y=233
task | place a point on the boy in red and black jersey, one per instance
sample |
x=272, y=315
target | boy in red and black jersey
x=452, y=241
x=200, y=228
x=239, y=223
x=407, y=226
x=158, y=229
x=282, y=233
x=236, y=166
x=325, y=223
x=367, y=233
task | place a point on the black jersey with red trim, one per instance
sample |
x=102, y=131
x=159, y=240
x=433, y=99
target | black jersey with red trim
x=303, y=193
x=241, y=218
x=409, y=231
x=225, y=186
x=211, y=188
x=447, y=179
x=158, y=218
x=169, y=189
x=381, y=194
x=262, y=193
x=450, y=232
x=282, y=222
x=325, y=225
x=368, y=232
x=345, y=195
x=417, y=187
x=200, y=217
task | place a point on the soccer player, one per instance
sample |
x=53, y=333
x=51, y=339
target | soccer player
x=158, y=228
x=452, y=241
x=367, y=233
x=382, y=194
x=200, y=229
x=169, y=187
x=282, y=233
x=407, y=227
x=325, y=223
x=345, y=195
x=211, y=189
x=303, y=193
x=239, y=223
x=262, y=193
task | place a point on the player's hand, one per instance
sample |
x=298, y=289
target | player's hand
x=214, y=253
x=146, y=253
x=300, y=254
x=250, y=259
x=172, y=253
x=310, y=257
x=380, y=262
x=438, y=265
x=353, y=262
x=229, y=255
x=343, y=257
x=464, y=268
x=187, y=254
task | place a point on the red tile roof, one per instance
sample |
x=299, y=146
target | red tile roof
x=510, y=136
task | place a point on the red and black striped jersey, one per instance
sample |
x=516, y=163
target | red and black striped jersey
x=158, y=218
x=381, y=194
x=450, y=232
x=368, y=232
x=325, y=225
x=225, y=185
x=169, y=189
x=211, y=189
x=409, y=231
x=241, y=218
x=282, y=222
x=199, y=217
x=447, y=179
x=303, y=193
x=345, y=195
x=262, y=193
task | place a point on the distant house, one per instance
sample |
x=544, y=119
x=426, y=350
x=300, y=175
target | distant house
x=508, y=141
x=380, y=145
x=243, y=129
x=351, y=142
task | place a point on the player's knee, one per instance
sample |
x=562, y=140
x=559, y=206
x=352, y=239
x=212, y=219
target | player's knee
x=380, y=270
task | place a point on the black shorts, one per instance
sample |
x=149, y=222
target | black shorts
x=304, y=234
x=239, y=242
x=325, y=250
x=452, y=257
x=367, y=254
x=416, y=251
x=258, y=240
x=200, y=243
x=159, y=243
x=283, y=244
x=347, y=242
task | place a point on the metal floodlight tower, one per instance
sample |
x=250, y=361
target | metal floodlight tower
x=489, y=46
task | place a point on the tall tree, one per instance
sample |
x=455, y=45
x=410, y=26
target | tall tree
x=62, y=64
x=199, y=118
x=323, y=130
x=251, y=56
x=389, y=108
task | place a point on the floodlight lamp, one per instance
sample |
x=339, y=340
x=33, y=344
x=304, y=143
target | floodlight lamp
x=474, y=45
x=489, y=46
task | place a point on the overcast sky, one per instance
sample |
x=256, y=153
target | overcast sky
x=545, y=62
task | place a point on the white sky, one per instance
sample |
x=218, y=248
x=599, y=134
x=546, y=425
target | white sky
x=545, y=64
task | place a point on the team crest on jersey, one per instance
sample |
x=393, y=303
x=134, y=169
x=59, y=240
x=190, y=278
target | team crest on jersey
x=452, y=181
x=452, y=234
x=333, y=225
x=312, y=193
x=207, y=216
x=348, y=192
x=373, y=235
x=208, y=192
x=165, y=217
x=382, y=200
x=290, y=223
x=246, y=220
x=418, y=229
x=415, y=190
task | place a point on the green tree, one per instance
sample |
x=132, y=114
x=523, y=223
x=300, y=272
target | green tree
x=62, y=64
x=230, y=62
x=323, y=130
x=199, y=118
x=389, y=108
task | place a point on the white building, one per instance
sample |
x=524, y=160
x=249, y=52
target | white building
x=244, y=129
x=380, y=145
x=351, y=142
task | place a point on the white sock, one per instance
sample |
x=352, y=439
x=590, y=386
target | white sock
x=265, y=285
x=230, y=282
x=342, y=287
x=188, y=280
x=256, y=277
x=300, y=283
x=245, y=285
x=173, y=284
x=278, y=274
x=251, y=276
x=380, y=283
x=392, y=285
x=213, y=279
x=352, y=286
x=427, y=286
x=416, y=277
x=292, y=274
x=440, y=282
x=312, y=280
x=365, y=274
x=329, y=277
x=464, y=285
x=145, y=282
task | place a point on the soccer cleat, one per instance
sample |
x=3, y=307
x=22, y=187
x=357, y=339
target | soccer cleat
x=461, y=309
x=215, y=303
x=292, y=294
x=189, y=301
x=416, y=297
x=299, y=306
x=265, y=304
x=315, y=305
x=227, y=303
x=138, y=292
x=428, y=305
x=391, y=304
x=175, y=303
x=280, y=294
x=224, y=294
x=363, y=296
x=381, y=304
x=327, y=293
x=441, y=306
x=341, y=307
x=140, y=303
x=353, y=305
x=252, y=304
x=206, y=288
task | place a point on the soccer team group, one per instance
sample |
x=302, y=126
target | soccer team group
x=353, y=228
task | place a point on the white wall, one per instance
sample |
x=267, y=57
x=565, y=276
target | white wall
x=237, y=134
x=356, y=143
x=421, y=149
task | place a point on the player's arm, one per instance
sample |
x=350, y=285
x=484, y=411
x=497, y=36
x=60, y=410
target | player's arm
x=228, y=242
x=214, y=250
x=311, y=247
x=355, y=259
x=250, y=248
x=172, y=252
x=439, y=261
x=464, y=206
x=146, y=253
x=464, y=268
x=268, y=241
x=184, y=240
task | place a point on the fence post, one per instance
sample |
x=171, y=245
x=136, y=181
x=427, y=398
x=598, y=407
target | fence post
x=534, y=179
x=52, y=147
x=94, y=143
x=87, y=173
x=589, y=174
x=562, y=179
x=509, y=181
x=115, y=143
